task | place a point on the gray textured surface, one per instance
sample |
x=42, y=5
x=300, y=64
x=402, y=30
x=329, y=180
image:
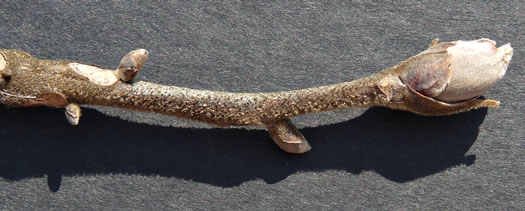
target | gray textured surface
x=361, y=158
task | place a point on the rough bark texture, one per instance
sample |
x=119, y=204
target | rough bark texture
x=60, y=83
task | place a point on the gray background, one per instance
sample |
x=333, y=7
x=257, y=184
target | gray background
x=361, y=158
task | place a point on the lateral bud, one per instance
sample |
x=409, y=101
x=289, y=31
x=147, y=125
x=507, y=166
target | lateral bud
x=131, y=64
x=288, y=138
x=73, y=113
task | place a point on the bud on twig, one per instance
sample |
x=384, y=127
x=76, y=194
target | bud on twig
x=131, y=64
x=457, y=71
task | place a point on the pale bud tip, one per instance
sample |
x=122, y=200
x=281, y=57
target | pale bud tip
x=475, y=67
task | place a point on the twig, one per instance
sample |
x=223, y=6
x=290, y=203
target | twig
x=439, y=81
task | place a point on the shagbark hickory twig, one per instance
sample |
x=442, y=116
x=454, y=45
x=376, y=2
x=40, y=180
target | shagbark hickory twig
x=444, y=79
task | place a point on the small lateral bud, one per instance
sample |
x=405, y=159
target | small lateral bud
x=131, y=64
x=288, y=138
x=73, y=113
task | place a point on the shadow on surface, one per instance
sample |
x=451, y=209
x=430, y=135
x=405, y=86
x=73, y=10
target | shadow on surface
x=398, y=145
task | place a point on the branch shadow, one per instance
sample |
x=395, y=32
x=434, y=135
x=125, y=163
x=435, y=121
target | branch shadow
x=398, y=145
